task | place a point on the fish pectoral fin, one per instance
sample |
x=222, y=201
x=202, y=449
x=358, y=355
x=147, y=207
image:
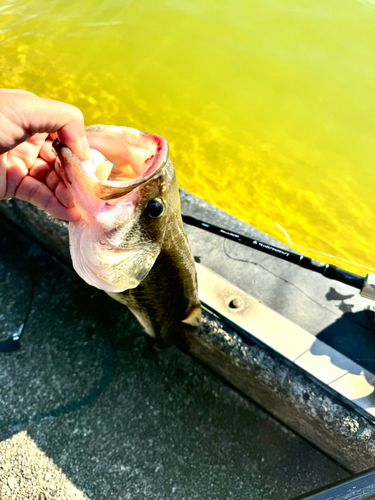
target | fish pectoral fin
x=194, y=316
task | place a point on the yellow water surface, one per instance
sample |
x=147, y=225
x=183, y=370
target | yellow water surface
x=268, y=105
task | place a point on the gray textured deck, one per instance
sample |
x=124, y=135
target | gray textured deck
x=121, y=416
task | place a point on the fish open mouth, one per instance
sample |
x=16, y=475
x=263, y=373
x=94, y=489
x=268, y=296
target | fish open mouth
x=109, y=247
x=122, y=158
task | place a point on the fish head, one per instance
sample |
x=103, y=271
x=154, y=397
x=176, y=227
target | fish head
x=125, y=193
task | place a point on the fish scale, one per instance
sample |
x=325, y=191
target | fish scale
x=139, y=256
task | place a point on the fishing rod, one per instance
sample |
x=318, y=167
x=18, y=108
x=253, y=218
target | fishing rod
x=365, y=285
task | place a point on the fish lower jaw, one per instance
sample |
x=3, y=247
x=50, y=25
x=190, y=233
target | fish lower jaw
x=107, y=275
x=94, y=280
x=111, y=269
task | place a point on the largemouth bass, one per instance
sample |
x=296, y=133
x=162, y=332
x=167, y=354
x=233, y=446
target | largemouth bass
x=130, y=241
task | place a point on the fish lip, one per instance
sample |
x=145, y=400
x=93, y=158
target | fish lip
x=158, y=161
x=57, y=147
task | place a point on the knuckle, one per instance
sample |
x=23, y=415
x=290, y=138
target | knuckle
x=76, y=113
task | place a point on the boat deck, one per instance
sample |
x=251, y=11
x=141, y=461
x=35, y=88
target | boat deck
x=97, y=409
x=92, y=404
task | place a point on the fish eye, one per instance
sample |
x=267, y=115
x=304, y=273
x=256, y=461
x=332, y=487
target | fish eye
x=155, y=208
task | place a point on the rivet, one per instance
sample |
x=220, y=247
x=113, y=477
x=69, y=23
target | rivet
x=235, y=303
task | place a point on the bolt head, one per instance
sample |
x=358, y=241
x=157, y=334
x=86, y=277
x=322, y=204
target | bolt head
x=235, y=303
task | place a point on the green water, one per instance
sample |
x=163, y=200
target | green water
x=268, y=106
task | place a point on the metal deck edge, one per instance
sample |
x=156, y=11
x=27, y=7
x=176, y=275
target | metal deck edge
x=333, y=370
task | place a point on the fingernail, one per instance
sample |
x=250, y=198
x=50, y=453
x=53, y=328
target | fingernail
x=85, y=147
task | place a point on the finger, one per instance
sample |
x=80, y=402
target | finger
x=53, y=136
x=40, y=170
x=79, y=145
x=14, y=177
x=46, y=152
x=68, y=122
x=25, y=154
x=38, y=194
x=63, y=195
x=52, y=180
x=28, y=114
x=3, y=176
x=16, y=91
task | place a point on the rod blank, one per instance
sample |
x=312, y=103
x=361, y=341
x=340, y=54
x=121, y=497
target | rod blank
x=327, y=270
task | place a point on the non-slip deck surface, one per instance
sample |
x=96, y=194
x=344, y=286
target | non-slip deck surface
x=121, y=416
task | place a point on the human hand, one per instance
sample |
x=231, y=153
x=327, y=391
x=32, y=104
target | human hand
x=28, y=125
